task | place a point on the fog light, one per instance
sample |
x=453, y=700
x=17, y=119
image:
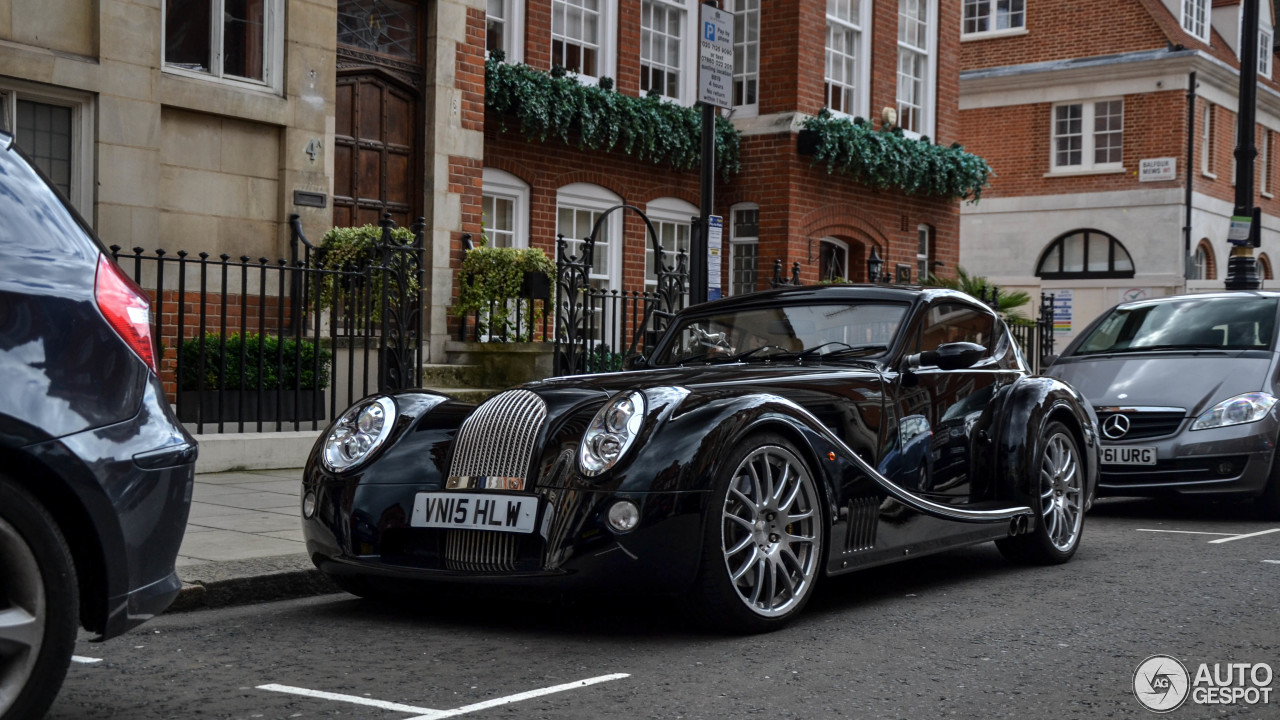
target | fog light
x=308, y=504
x=624, y=516
x=1226, y=468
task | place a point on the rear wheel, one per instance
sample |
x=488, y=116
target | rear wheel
x=39, y=605
x=762, y=543
x=1060, y=502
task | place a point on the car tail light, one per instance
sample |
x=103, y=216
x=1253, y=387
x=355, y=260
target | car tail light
x=126, y=308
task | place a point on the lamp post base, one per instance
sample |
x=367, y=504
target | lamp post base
x=1242, y=270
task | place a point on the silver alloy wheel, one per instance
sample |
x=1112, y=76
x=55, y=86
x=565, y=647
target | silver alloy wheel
x=771, y=531
x=1061, y=490
x=22, y=614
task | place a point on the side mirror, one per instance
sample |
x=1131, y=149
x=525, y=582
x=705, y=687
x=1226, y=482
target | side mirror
x=634, y=362
x=954, y=355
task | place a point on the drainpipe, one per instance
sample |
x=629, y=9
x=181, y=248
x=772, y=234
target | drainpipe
x=1188, y=180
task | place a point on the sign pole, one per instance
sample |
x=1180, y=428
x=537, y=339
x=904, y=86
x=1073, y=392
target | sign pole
x=715, y=89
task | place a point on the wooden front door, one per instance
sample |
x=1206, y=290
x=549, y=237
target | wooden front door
x=376, y=151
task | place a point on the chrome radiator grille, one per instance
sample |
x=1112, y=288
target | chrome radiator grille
x=480, y=551
x=497, y=440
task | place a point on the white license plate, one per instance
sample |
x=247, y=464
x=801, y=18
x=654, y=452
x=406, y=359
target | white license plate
x=1128, y=455
x=475, y=511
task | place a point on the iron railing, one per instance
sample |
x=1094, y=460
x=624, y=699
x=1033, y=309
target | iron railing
x=261, y=345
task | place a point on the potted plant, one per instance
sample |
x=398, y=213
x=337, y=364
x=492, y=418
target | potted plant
x=250, y=377
x=492, y=278
x=349, y=253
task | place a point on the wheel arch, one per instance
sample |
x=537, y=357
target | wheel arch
x=1036, y=402
x=74, y=522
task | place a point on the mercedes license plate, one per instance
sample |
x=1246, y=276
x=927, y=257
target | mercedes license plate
x=475, y=511
x=1128, y=455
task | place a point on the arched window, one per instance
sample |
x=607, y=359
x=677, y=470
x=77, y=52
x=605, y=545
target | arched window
x=505, y=204
x=578, y=206
x=1085, y=254
x=1203, y=265
x=1264, y=267
x=672, y=220
x=833, y=260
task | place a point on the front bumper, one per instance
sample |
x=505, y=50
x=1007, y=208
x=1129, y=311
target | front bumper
x=1230, y=462
x=365, y=530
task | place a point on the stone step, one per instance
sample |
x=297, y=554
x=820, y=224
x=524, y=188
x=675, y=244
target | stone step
x=466, y=394
x=452, y=375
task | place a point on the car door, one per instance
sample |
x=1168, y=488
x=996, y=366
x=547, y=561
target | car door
x=937, y=409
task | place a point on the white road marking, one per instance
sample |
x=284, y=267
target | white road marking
x=346, y=698
x=1183, y=532
x=521, y=696
x=1273, y=562
x=1242, y=537
x=421, y=713
x=85, y=660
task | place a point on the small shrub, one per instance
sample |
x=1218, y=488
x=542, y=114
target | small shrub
x=352, y=251
x=492, y=276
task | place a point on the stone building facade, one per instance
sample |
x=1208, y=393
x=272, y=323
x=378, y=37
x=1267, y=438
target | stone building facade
x=1085, y=110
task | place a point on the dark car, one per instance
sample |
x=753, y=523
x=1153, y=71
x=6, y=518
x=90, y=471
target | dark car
x=1185, y=390
x=95, y=472
x=760, y=447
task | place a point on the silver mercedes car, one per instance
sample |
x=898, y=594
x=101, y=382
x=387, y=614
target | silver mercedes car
x=1185, y=390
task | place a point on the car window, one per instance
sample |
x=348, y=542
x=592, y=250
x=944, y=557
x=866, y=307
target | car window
x=1230, y=323
x=954, y=322
x=791, y=328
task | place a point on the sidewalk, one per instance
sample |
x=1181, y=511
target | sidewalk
x=244, y=541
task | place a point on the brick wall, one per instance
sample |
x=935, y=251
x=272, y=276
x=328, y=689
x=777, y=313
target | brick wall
x=1069, y=29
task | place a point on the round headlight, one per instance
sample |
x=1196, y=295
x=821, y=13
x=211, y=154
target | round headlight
x=611, y=432
x=360, y=430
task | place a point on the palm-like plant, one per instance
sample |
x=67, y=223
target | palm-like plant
x=981, y=288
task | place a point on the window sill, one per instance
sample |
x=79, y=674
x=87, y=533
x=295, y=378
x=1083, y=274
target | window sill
x=993, y=34
x=1209, y=175
x=1266, y=194
x=248, y=85
x=1089, y=171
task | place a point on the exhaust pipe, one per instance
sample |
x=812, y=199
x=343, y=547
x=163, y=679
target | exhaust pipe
x=1018, y=525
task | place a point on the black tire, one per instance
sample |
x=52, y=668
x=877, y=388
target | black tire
x=38, y=592
x=1268, y=503
x=1059, y=502
x=759, y=538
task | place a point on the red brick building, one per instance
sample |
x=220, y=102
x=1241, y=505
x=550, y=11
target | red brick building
x=1084, y=110
x=793, y=59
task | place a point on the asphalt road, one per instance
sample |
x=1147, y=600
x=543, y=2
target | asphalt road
x=963, y=634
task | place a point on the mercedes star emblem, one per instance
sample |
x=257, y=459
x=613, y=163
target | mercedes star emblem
x=1115, y=426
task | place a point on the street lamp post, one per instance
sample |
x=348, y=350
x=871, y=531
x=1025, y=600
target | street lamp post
x=1246, y=220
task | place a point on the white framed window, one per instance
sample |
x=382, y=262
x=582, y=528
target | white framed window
x=983, y=17
x=746, y=56
x=666, y=49
x=578, y=207
x=917, y=46
x=672, y=220
x=583, y=37
x=505, y=203
x=847, y=76
x=238, y=41
x=1195, y=18
x=1264, y=161
x=1088, y=136
x=504, y=28
x=54, y=127
x=1206, y=142
x=744, y=248
x=1264, y=52
x=924, y=246
x=833, y=260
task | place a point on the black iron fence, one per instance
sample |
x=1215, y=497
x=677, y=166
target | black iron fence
x=259, y=345
x=1034, y=335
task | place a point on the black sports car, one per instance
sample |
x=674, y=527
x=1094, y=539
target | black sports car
x=769, y=439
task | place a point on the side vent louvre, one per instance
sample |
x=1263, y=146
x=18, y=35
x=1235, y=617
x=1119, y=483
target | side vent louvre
x=864, y=515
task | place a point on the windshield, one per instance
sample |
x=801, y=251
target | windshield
x=847, y=330
x=1219, y=323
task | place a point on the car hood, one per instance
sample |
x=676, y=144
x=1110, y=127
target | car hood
x=1194, y=382
x=695, y=377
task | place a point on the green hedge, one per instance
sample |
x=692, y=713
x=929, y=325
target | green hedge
x=889, y=160
x=554, y=105
x=279, y=358
x=353, y=250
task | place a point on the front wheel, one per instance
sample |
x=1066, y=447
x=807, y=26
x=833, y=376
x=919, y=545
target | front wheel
x=1060, y=503
x=762, y=539
x=39, y=605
